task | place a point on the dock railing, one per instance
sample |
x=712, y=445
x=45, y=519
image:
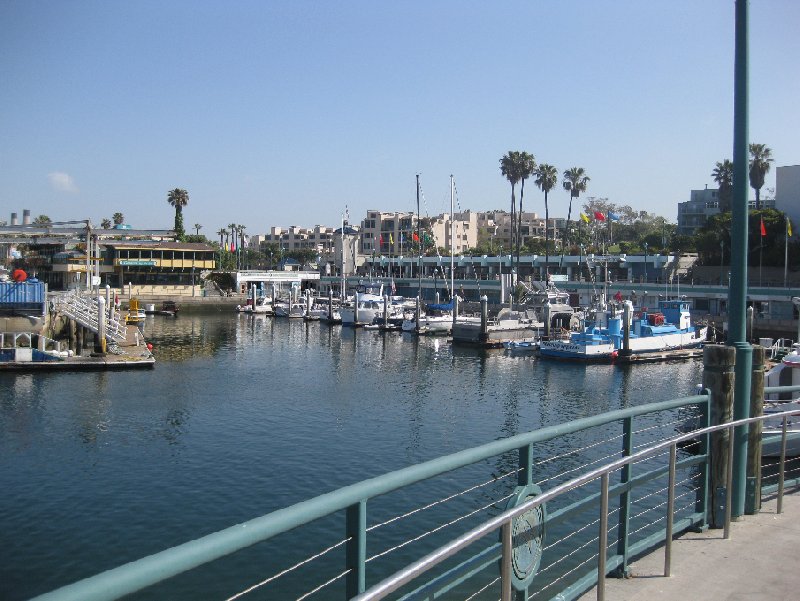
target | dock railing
x=555, y=543
x=83, y=309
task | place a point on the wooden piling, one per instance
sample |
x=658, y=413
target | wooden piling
x=718, y=376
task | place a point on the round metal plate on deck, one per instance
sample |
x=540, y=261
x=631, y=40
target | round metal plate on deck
x=527, y=534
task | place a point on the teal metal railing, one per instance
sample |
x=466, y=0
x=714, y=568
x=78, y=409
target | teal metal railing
x=354, y=500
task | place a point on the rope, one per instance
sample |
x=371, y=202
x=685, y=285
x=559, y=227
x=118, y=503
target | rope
x=479, y=591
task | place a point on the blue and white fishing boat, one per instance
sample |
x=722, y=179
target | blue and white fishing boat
x=602, y=337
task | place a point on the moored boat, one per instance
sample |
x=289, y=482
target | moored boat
x=603, y=338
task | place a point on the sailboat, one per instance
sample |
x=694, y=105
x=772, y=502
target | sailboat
x=438, y=318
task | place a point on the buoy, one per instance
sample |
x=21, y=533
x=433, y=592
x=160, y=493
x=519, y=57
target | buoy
x=18, y=275
x=149, y=346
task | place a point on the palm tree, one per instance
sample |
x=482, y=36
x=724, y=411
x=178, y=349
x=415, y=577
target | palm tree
x=527, y=165
x=240, y=230
x=760, y=159
x=118, y=218
x=222, y=232
x=723, y=176
x=197, y=228
x=105, y=224
x=510, y=169
x=178, y=198
x=575, y=182
x=546, y=178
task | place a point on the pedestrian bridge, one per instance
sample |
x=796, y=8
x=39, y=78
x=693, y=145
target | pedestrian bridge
x=547, y=514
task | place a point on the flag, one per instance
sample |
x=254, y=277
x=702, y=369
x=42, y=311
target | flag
x=585, y=218
x=415, y=237
x=226, y=246
x=763, y=229
x=613, y=216
x=380, y=240
x=599, y=216
x=788, y=227
x=233, y=246
x=391, y=239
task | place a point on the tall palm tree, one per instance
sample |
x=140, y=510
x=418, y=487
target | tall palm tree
x=232, y=227
x=527, y=165
x=546, y=178
x=178, y=198
x=575, y=182
x=118, y=218
x=760, y=159
x=197, y=228
x=723, y=176
x=222, y=232
x=510, y=169
x=105, y=223
x=240, y=230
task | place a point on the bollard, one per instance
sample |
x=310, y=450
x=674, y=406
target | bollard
x=753, y=495
x=546, y=319
x=101, y=324
x=718, y=376
x=484, y=335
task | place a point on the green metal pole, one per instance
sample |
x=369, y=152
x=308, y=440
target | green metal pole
x=737, y=292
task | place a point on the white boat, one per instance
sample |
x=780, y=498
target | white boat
x=366, y=305
x=602, y=338
x=437, y=319
x=784, y=373
x=772, y=433
x=262, y=306
x=292, y=310
x=521, y=346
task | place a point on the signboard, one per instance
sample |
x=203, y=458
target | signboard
x=557, y=277
x=137, y=262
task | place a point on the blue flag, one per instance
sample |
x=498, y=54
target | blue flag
x=613, y=216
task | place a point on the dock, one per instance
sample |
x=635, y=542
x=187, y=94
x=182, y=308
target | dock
x=133, y=353
x=758, y=562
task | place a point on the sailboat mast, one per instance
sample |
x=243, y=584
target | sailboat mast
x=452, y=223
x=419, y=241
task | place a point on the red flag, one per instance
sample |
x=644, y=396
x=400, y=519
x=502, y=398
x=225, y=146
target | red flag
x=599, y=216
x=415, y=237
x=380, y=240
x=763, y=229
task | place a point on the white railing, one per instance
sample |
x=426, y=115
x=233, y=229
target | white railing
x=83, y=309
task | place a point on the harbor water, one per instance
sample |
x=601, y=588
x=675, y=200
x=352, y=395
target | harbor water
x=243, y=415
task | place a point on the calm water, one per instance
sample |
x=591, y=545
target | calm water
x=245, y=415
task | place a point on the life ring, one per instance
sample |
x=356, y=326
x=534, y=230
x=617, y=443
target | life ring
x=18, y=275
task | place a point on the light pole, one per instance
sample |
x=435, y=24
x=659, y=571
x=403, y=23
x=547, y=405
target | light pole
x=721, y=258
x=645, y=262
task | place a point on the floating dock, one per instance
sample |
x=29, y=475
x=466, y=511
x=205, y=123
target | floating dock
x=34, y=352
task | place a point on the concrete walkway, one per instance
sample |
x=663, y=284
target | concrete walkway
x=760, y=560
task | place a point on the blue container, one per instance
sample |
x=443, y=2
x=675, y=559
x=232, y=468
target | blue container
x=14, y=294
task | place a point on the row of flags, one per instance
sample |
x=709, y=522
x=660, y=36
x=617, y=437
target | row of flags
x=598, y=216
x=414, y=237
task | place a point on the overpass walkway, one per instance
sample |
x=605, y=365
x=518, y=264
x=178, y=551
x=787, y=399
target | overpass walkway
x=760, y=560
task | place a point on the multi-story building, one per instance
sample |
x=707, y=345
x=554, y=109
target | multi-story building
x=494, y=228
x=463, y=227
x=702, y=204
x=387, y=233
x=318, y=239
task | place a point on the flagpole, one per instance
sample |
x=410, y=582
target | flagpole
x=786, y=254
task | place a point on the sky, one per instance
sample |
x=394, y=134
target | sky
x=287, y=113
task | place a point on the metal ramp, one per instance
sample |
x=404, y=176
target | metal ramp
x=83, y=309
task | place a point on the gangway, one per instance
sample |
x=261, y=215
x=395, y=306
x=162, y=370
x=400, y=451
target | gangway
x=83, y=309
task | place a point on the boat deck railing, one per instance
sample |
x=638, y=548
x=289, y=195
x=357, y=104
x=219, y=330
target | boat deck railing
x=574, y=502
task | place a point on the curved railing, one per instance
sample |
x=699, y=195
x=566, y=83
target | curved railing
x=576, y=553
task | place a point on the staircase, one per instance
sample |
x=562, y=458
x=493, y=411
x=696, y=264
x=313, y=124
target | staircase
x=83, y=309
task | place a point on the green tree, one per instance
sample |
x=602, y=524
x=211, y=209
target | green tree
x=575, y=181
x=760, y=159
x=527, y=165
x=510, y=168
x=105, y=223
x=723, y=176
x=546, y=179
x=197, y=228
x=42, y=220
x=118, y=218
x=178, y=198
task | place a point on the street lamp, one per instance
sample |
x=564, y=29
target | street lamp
x=721, y=258
x=645, y=262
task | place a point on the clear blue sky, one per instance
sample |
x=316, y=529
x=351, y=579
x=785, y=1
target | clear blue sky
x=281, y=113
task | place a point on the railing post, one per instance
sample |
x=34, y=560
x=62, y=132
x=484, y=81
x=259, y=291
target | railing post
x=741, y=410
x=525, y=474
x=505, y=566
x=753, y=497
x=728, y=485
x=782, y=467
x=601, y=556
x=718, y=377
x=356, y=548
x=625, y=499
x=670, y=510
x=701, y=504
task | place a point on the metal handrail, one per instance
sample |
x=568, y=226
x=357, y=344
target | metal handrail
x=505, y=519
x=150, y=570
